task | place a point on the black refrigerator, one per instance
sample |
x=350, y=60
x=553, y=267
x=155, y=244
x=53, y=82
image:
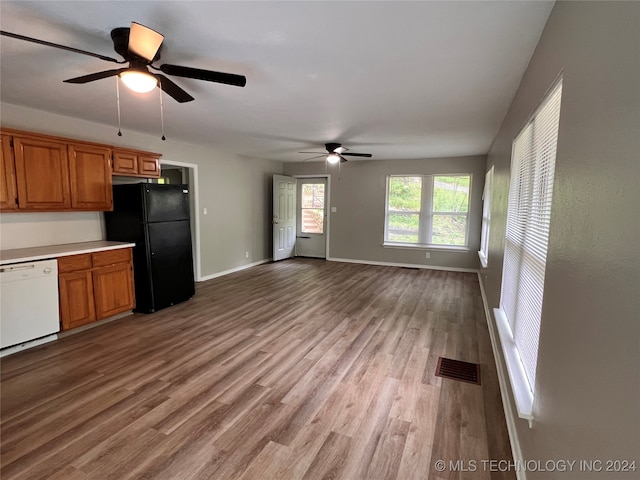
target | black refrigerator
x=156, y=218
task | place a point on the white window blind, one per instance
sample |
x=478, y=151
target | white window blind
x=527, y=235
x=486, y=218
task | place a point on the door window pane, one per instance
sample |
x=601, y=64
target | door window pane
x=312, y=208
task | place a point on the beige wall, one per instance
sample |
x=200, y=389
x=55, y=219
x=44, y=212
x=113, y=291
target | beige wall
x=234, y=189
x=358, y=193
x=587, y=404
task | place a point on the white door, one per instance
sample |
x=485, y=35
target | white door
x=284, y=217
x=312, y=218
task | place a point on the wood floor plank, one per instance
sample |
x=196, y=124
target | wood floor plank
x=299, y=369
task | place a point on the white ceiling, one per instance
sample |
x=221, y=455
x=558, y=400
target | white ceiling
x=395, y=79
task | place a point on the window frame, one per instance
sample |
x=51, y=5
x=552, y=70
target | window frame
x=527, y=233
x=427, y=213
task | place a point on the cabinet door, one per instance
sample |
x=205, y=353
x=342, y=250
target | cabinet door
x=90, y=172
x=113, y=288
x=42, y=174
x=125, y=163
x=76, y=299
x=8, y=190
x=148, y=166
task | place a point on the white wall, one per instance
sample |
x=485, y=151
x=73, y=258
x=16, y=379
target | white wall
x=587, y=404
x=234, y=189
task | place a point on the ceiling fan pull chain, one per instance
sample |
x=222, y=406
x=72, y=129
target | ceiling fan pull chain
x=118, y=102
x=161, y=109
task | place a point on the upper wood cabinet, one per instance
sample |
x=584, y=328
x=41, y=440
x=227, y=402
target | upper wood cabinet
x=136, y=164
x=8, y=189
x=42, y=173
x=90, y=173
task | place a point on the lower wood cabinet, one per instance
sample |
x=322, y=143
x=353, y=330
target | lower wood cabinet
x=94, y=286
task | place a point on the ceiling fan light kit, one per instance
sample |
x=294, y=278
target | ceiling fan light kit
x=139, y=82
x=333, y=158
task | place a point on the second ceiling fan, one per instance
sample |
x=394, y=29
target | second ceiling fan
x=336, y=153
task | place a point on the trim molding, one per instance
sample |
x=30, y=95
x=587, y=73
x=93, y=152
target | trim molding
x=405, y=265
x=516, y=451
x=233, y=270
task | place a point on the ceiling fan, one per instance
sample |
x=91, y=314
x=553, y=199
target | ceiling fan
x=336, y=153
x=140, y=46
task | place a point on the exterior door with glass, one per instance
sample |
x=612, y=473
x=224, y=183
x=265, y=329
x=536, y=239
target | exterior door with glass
x=311, y=226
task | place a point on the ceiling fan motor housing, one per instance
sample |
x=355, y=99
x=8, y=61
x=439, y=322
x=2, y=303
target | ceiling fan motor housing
x=331, y=147
x=120, y=37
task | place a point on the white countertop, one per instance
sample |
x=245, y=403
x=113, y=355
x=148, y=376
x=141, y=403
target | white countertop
x=54, y=251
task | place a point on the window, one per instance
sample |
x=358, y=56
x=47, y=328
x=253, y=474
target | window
x=427, y=210
x=312, y=207
x=525, y=253
x=486, y=218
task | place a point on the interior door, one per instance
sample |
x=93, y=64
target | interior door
x=311, y=228
x=284, y=217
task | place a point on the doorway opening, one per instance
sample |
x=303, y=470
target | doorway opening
x=312, y=214
x=173, y=173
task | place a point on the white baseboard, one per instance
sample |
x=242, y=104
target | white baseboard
x=404, y=265
x=516, y=451
x=233, y=270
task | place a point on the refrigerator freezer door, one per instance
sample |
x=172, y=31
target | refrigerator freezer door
x=166, y=203
x=171, y=264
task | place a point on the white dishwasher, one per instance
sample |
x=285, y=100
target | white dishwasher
x=29, y=301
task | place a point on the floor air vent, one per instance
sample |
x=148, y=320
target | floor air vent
x=458, y=370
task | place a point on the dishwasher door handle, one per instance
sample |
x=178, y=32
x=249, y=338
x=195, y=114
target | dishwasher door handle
x=17, y=268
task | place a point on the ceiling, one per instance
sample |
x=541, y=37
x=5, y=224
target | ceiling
x=395, y=79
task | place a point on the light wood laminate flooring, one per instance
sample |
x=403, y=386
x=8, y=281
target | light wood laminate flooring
x=301, y=369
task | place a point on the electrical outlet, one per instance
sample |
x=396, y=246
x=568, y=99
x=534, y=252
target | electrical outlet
x=246, y=254
x=427, y=255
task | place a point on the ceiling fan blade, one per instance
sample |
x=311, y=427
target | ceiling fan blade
x=56, y=45
x=323, y=153
x=95, y=76
x=342, y=159
x=173, y=90
x=368, y=155
x=207, y=75
x=313, y=158
x=144, y=42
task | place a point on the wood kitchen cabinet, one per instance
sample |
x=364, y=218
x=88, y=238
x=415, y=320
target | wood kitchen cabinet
x=136, y=164
x=113, y=282
x=8, y=189
x=42, y=174
x=90, y=175
x=94, y=286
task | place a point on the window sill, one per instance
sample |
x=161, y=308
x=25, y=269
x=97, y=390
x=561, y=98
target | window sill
x=413, y=246
x=483, y=259
x=522, y=393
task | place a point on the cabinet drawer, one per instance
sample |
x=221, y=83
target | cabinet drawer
x=74, y=263
x=111, y=257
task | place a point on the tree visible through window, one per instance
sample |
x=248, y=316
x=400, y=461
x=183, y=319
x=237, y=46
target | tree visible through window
x=428, y=210
x=312, y=208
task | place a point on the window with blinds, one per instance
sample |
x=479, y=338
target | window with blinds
x=483, y=253
x=525, y=252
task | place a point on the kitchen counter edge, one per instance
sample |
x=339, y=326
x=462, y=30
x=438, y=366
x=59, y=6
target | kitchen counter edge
x=20, y=255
